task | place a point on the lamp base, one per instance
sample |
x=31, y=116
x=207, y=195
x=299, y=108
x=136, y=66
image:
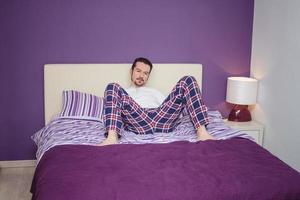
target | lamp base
x=240, y=113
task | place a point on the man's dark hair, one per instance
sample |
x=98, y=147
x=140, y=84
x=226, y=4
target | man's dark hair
x=143, y=60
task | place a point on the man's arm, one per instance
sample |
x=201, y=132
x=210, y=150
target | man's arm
x=159, y=97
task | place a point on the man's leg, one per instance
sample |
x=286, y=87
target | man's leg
x=112, y=118
x=120, y=109
x=185, y=94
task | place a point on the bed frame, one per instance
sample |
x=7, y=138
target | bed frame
x=93, y=78
x=239, y=168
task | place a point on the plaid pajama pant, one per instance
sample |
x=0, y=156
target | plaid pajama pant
x=122, y=111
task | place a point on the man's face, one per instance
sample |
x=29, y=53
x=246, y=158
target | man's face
x=140, y=74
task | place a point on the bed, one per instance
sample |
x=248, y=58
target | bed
x=155, y=166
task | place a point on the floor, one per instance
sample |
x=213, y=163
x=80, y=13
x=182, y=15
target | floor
x=15, y=183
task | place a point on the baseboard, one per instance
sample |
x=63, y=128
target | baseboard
x=18, y=163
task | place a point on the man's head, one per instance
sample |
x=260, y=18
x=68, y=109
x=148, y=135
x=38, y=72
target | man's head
x=140, y=71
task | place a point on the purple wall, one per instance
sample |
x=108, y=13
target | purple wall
x=34, y=32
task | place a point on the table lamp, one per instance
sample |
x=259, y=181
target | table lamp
x=241, y=91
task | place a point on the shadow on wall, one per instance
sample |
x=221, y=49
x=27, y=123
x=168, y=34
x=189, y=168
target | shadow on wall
x=256, y=112
x=224, y=108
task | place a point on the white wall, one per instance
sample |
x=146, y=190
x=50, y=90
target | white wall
x=276, y=63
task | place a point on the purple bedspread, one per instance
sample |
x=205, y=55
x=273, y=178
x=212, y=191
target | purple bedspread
x=212, y=170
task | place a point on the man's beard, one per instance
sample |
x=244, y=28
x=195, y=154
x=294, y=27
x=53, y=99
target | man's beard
x=139, y=82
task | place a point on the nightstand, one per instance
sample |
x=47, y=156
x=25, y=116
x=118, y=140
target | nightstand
x=252, y=128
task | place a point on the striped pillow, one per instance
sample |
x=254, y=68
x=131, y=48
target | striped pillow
x=81, y=105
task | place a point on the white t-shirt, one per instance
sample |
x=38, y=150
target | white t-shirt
x=146, y=97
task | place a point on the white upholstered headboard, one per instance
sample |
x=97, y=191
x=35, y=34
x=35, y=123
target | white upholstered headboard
x=93, y=78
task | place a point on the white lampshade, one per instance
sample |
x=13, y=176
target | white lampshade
x=241, y=90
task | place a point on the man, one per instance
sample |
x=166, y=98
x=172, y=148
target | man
x=144, y=110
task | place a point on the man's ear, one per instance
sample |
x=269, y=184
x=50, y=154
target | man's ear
x=130, y=75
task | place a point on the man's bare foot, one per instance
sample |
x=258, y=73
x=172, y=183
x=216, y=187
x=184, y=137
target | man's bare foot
x=203, y=135
x=112, y=138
